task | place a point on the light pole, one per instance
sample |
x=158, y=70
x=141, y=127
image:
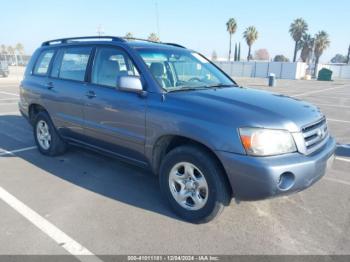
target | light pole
x=157, y=19
x=100, y=31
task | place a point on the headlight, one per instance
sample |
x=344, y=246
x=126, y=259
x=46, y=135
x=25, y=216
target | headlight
x=266, y=142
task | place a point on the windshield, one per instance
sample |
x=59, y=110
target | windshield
x=183, y=70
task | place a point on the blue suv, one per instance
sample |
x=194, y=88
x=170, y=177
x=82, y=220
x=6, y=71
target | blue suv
x=167, y=108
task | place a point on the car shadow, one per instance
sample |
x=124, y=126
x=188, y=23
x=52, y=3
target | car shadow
x=343, y=150
x=100, y=174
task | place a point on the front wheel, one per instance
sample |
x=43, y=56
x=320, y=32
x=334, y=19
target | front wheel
x=194, y=184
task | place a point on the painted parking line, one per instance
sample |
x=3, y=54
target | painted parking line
x=9, y=113
x=330, y=105
x=61, y=238
x=318, y=91
x=8, y=103
x=343, y=159
x=4, y=152
x=337, y=181
x=7, y=93
x=8, y=99
x=338, y=120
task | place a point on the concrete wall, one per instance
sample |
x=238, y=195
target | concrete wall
x=283, y=70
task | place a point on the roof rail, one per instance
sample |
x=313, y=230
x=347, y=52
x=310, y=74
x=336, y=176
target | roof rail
x=66, y=40
x=147, y=40
x=173, y=44
x=140, y=39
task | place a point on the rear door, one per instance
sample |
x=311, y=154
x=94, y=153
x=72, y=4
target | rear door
x=67, y=90
x=115, y=120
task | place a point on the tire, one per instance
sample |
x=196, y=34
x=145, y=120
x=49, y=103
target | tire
x=56, y=146
x=211, y=196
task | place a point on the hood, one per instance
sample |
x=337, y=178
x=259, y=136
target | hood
x=250, y=107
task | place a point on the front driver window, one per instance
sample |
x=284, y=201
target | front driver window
x=109, y=65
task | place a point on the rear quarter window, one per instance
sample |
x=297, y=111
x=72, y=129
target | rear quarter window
x=43, y=62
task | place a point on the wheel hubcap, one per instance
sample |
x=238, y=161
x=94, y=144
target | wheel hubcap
x=43, y=134
x=188, y=186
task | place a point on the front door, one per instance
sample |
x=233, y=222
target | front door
x=114, y=119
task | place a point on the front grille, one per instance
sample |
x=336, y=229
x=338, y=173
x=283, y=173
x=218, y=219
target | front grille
x=315, y=135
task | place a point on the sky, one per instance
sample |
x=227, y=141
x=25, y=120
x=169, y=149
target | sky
x=197, y=24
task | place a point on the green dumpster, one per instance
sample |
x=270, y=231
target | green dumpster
x=325, y=75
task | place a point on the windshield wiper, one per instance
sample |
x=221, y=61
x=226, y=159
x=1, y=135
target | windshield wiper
x=186, y=89
x=220, y=85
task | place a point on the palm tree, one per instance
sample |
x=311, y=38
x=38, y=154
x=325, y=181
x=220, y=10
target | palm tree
x=231, y=27
x=297, y=29
x=129, y=35
x=322, y=42
x=153, y=37
x=306, y=44
x=20, y=49
x=250, y=35
x=11, y=52
x=3, y=49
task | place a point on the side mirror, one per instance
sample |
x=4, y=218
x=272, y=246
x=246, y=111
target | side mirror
x=130, y=84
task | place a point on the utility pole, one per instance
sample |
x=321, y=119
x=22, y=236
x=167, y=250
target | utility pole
x=100, y=31
x=157, y=19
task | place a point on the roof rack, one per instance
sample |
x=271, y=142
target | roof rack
x=173, y=44
x=147, y=40
x=66, y=40
x=112, y=38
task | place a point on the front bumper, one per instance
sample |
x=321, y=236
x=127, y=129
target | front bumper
x=254, y=178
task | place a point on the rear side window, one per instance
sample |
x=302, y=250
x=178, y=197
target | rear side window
x=43, y=62
x=74, y=63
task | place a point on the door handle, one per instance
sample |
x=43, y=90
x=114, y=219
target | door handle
x=49, y=85
x=90, y=94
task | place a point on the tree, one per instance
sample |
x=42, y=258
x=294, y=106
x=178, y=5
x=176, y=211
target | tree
x=3, y=49
x=280, y=58
x=348, y=58
x=339, y=58
x=297, y=29
x=322, y=42
x=231, y=27
x=236, y=53
x=20, y=48
x=129, y=35
x=153, y=37
x=250, y=35
x=239, y=52
x=214, y=56
x=10, y=50
x=307, y=44
x=261, y=54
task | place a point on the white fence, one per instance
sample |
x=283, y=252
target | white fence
x=284, y=70
x=340, y=71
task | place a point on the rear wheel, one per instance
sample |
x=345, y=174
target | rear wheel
x=46, y=137
x=193, y=183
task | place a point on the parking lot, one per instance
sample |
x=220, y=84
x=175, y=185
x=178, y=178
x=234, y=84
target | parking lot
x=91, y=204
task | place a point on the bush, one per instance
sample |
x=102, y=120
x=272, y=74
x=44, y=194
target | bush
x=280, y=58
